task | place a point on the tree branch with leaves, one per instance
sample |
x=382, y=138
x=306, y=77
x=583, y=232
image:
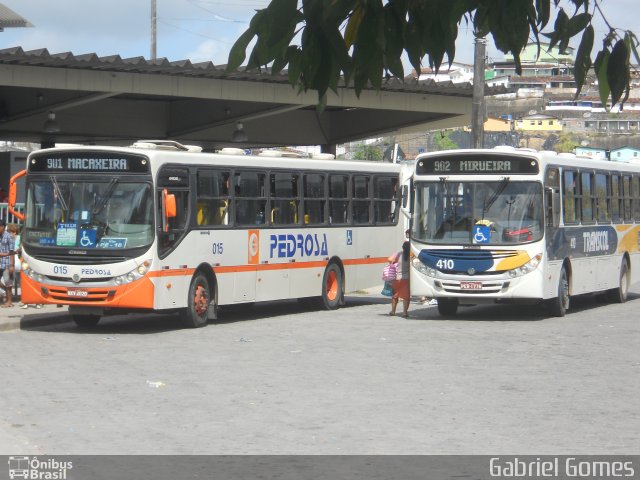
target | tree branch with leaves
x=361, y=42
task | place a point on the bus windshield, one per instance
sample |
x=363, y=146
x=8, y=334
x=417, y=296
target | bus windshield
x=82, y=214
x=508, y=212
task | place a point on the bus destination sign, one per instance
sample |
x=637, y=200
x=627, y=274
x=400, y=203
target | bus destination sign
x=478, y=164
x=89, y=162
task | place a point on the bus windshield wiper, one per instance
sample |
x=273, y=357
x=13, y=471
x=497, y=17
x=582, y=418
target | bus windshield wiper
x=56, y=188
x=99, y=205
x=486, y=205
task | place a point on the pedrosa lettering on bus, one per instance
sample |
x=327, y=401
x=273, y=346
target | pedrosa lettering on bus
x=288, y=245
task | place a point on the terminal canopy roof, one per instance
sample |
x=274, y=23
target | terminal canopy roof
x=114, y=100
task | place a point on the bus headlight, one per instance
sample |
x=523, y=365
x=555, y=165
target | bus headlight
x=528, y=267
x=135, y=274
x=29, y=272
x=422, y=268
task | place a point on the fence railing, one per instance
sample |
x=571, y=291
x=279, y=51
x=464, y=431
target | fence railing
x=8, y=216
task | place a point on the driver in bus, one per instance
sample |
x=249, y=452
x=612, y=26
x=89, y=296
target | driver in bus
x=117, y=211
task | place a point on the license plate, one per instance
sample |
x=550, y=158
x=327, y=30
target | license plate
x=470, y=285
x=77, y=293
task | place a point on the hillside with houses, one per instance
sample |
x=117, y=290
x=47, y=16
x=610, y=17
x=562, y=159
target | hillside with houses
x=540, y=109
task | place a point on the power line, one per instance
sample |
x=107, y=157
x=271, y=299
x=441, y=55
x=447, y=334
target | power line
x=193, y=32
x=218, y=18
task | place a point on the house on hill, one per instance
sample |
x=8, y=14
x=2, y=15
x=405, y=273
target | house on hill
x=539, y=123
x=592, y=152
x=625, y=154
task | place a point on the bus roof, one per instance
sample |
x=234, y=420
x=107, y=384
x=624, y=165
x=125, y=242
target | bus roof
x=544, y=156
x=229, y=158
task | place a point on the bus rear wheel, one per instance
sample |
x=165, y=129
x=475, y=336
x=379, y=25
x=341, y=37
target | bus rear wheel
x=559, y=305
x=197, y=302
x=447, y=307
x=332, y=287
x=86, y=321
x=619, y=295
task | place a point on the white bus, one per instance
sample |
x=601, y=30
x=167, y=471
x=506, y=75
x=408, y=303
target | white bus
x=511, y=224
x=159, y=227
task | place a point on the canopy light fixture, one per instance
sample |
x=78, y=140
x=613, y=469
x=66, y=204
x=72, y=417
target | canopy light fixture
x=239, y=135
x=51, y=125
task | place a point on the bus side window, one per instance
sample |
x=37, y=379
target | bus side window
x=250, y=200
x=587, y=191
x=284, y=198
x=571, y=197
x=626, y=198
x=213, y=198
x=385, y=192
x=339, y=199
x=635, y=195
x=314, y=198
x=361, y=199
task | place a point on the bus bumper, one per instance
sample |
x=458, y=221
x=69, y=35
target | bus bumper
x=137, y=294
x=480, y=289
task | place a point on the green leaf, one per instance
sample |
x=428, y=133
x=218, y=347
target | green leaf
x=600, y=67
x=543, y=8
x=237, y=54
x=583, y=58
x=353, y=25
x=578, y=24
x=281, y=17
x=558, y=29
x=294, y=56
x=634, y=45
x=413, y=41
x=618, y=70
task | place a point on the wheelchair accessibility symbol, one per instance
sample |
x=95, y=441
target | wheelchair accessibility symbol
x=88, y=238
x=481, y=234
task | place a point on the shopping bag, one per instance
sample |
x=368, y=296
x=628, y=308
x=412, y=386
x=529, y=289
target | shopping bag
x=387, y=291
x=390, y=272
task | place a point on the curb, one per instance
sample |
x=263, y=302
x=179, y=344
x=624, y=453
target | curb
x=32, y=320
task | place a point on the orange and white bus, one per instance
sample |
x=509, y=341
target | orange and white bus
x=158, y=227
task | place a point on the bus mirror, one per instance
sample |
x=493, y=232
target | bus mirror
x=171, y=205
x=13, y=194
x=168, y=208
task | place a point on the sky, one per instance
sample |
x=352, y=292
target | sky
x=198, y=30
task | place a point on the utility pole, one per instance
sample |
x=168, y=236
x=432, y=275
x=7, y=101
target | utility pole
x=477, y=106
x=153, y=29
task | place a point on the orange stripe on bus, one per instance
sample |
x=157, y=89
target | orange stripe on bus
x=178, y=272
x=268, y=266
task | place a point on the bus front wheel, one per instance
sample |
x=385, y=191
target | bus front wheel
x=197, y=302
x=332, y=287
x=559, y=305
x=86, y=321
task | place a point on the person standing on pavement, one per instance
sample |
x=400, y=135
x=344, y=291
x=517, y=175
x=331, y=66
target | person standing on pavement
x=7, y=262
x=400, y=286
